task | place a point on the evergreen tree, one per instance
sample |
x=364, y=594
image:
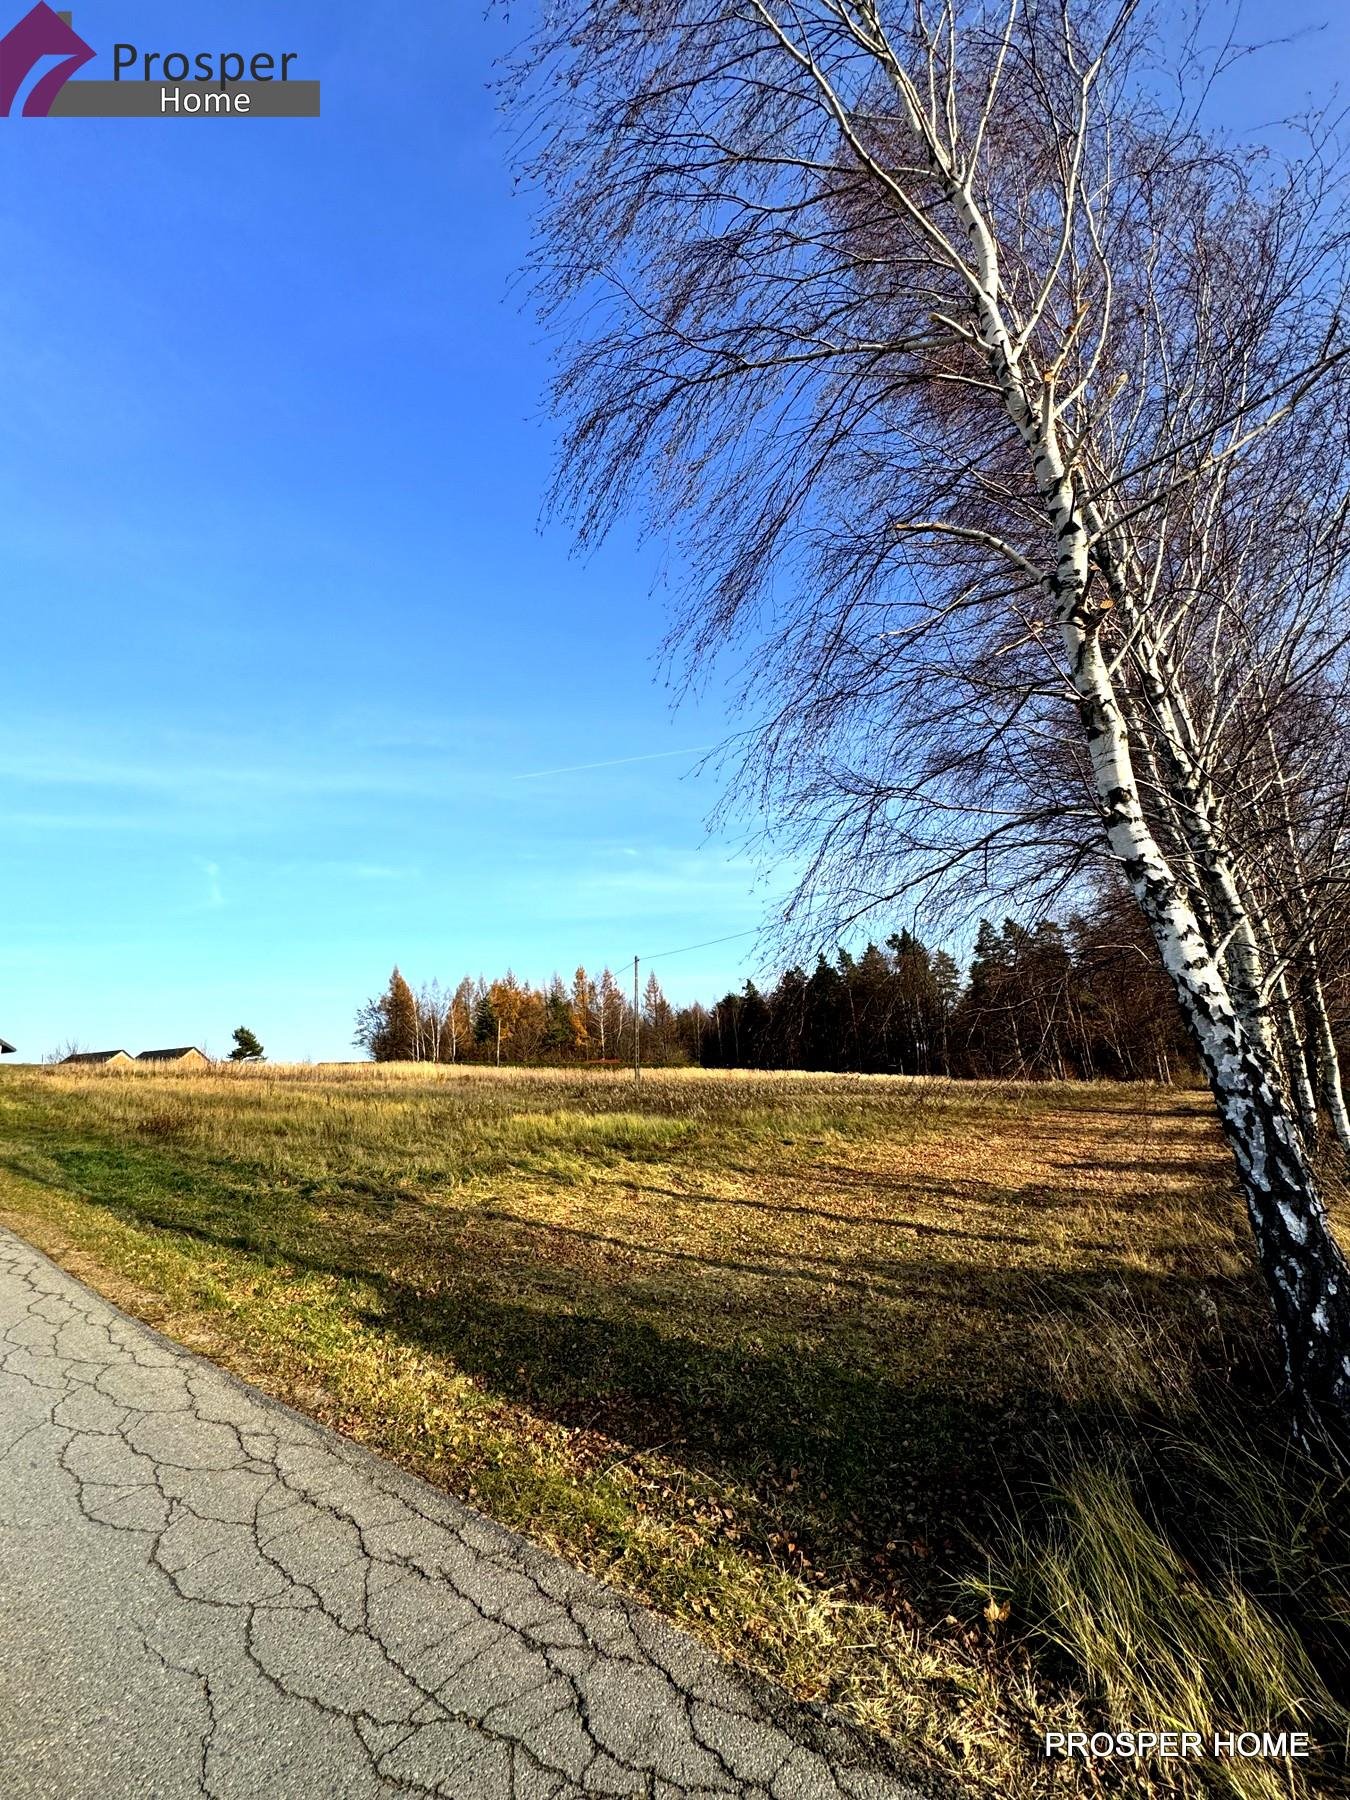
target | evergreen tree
x=246, y=1046
x=874, y=1006
x=1080, y=999
x=826, y=1013
x=754, y=1025
x=484, y=1019
x=560, y=1028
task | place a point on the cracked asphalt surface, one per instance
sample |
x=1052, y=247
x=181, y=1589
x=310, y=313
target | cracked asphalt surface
x=202, y=1592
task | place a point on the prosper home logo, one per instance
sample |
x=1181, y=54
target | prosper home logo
x=149, y=84
x=40, y=34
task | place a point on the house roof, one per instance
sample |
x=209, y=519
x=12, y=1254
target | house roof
x=175, y=1055
x=95, y=1056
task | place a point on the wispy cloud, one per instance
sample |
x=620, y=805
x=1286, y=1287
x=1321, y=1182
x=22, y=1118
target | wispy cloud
x=613, y=762
x=214, y=896
x=190, y=779
x=375, y=871
x=655, y=887
x=77, y=822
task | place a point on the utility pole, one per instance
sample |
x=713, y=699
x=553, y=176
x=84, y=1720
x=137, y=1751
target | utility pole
x=499, y=1041
x=637, y=1027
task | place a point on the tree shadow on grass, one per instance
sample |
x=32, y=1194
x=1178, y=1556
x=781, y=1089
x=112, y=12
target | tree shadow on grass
x=870, y=1405
x=791, y=1210
x=887, y=1396
x=1136, y=1190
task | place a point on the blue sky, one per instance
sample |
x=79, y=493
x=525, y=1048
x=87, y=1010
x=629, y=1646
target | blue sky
x=285, y=649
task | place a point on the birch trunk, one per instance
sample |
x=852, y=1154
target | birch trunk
x=1208, y=862
x=1305, y=1271
x=1294, y=1057
x=1082, y=339
x=1296, y=1063
x=1306, y=1274
x=1326, y=1058
x=1328, y=1062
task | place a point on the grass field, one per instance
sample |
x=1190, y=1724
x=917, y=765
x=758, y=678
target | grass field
x=920, y=1397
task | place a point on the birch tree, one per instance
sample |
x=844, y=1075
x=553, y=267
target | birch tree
x=459, y=1019
x=609, y=1013
x=1000, y=411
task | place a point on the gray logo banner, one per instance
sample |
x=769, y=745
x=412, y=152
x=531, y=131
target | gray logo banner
x=186, y=100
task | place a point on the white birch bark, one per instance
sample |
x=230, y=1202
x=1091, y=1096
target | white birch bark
x=1329, y=1087
x=1304, y=1268
x=1294, y=1059
x=1195, y=814
x=1051, y=322
x=1323, y=1049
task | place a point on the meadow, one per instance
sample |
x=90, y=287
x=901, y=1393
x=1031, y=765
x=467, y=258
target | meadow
x=946, y=1403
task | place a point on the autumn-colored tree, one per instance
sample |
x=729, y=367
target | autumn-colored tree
x=386, y=1026
x=401, y=1017
x=1078, y=998
x=520, y=1017
x=531, y=1037
x=583, y=1010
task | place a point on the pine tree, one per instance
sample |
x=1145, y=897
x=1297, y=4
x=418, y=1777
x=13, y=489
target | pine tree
x=484, y=1020
x=560, y=1033
x=246, y=1046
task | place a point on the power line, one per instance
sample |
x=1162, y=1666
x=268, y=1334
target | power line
x=613, y=762
x=730, y=938
x=683, y=949
x=707, y=944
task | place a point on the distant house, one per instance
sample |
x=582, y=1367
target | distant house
x=6, y=1048
x=186, y=1056
x=98, y=1056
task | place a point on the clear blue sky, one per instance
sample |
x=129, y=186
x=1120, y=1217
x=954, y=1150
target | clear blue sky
x=285, y=649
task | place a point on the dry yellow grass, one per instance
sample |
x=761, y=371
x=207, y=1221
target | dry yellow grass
x=771, y=1351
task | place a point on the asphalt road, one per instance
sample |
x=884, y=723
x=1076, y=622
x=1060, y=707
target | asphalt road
x=202, y=1592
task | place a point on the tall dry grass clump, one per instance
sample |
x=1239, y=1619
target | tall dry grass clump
x=1189, y=1571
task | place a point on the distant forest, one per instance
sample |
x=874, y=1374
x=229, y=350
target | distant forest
x=1078, y=998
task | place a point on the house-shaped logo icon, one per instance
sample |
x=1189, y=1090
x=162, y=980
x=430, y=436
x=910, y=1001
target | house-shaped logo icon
x=38, y=35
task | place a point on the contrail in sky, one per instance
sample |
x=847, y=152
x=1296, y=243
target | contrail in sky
x=613, y=763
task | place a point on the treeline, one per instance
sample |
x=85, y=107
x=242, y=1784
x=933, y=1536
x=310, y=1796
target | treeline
x=1080, y=998
x=508, y=1021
